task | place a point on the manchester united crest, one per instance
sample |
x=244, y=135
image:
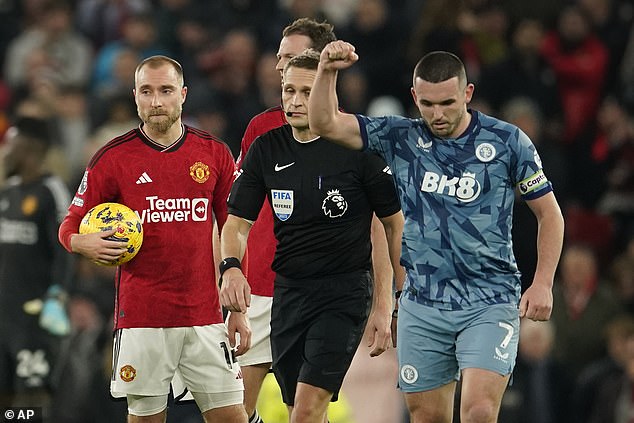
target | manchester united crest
x=127, y=373
x=199, y=172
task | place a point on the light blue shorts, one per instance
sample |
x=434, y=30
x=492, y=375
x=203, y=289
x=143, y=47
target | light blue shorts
x=435, y=345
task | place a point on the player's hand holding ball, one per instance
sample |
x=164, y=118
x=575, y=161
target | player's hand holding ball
x=121, y=224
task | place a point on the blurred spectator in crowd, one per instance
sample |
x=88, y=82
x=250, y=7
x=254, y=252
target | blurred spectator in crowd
x=34, y=273
x=41, y=105
x=194, y=44
x=540, y=390
x=377, y=34
x=579, y=59
x=626, y=71
x=622, y=274
x=102, y=21
x=615, y=398
x=125, y=61
x=603, y=159
x=612, y=365
x=268, y=80
x=210, y=116
x=613, y=153
x=169, y=16
x=73, y=125
x=229, y=86
x=583, y=305
x=138, y=35
x=262, y=17
x=444, y=25
x=490, y=34
x=121, y=116
x=353, y=91
x=524, y=73
x=296, y=9
x=611, y=21
x=52, y=46
x=544, y=10
x=11, y=16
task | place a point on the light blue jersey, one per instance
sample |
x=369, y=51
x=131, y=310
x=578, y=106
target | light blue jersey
x=457, y=197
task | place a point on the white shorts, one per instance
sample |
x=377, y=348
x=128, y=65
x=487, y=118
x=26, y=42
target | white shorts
x=146, y=359
x=260, y=319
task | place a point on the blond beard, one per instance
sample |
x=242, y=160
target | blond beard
x=163, y=125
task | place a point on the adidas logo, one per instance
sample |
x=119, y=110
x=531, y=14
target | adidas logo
x=144, y=179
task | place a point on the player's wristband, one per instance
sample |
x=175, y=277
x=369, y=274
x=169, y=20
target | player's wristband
x=228, y=263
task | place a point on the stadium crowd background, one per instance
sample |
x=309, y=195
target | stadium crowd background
x=563, y=71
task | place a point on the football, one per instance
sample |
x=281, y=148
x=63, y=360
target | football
x=106, y=216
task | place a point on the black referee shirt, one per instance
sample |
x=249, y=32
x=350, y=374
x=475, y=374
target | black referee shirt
x=322, y=196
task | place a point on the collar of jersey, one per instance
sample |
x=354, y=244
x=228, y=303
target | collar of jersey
x=160, y=147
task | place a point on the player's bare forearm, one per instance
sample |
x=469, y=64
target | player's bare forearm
x=550, y=235
x=537, y=301
x=394, y=233
x=233, y=239
x=235, y=292
x=381, y=266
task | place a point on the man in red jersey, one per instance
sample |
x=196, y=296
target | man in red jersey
x=167, y=314
x=300, y=35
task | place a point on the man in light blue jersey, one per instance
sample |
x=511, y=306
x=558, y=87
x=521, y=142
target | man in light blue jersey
x=456, y=171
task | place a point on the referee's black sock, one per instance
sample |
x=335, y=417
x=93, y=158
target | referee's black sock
x=255, y=418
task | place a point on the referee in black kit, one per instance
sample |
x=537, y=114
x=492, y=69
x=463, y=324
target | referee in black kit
x=323, y=197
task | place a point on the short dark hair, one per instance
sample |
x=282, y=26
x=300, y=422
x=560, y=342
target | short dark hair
x=439, y=66
x=159, y=60
x=33, y=128
x=320, y=33
x=307, y=59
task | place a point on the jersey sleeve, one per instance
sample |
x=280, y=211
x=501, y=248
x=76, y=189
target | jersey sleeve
x=226, y=172
x=379, y=185
x=96, y=187
x=248, y=190
x=527, y=172
x=250, y=134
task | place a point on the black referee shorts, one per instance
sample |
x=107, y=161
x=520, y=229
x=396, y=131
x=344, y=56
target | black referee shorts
x=316, y=327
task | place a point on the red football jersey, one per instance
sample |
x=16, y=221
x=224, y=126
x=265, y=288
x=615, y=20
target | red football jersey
x=261, y=243
x=174, y=190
